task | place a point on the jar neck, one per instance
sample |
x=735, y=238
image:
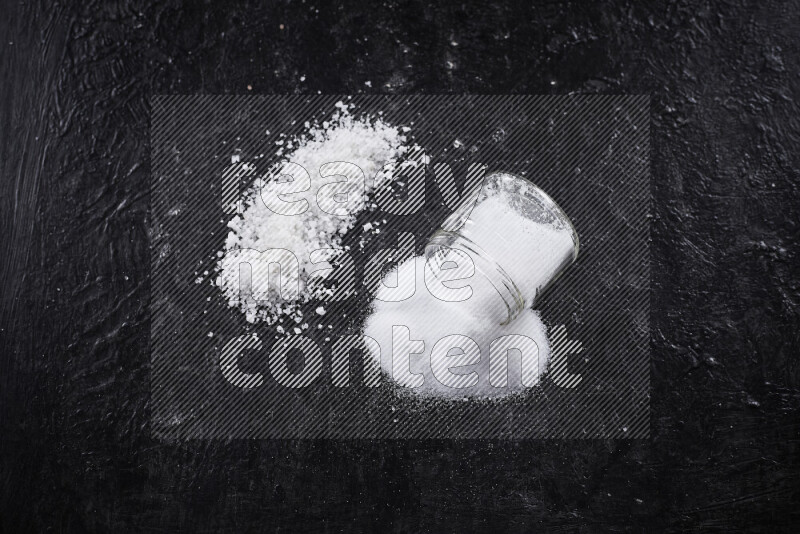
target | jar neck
x=510, y=295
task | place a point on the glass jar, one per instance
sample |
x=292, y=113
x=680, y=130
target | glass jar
x=518, y=238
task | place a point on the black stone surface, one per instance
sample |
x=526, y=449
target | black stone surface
x=75, y=448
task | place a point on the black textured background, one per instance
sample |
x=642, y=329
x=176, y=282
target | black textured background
x=75, y=448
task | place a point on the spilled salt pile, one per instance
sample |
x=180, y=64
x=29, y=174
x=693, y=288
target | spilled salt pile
x=429, y=319
x=314, y=236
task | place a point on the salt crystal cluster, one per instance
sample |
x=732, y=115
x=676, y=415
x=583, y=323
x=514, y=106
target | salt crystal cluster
x=371, y=144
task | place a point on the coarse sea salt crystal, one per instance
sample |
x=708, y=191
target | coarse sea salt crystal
x=371, y=144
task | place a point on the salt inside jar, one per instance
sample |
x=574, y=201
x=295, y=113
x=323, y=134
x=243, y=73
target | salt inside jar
x=518, y=238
